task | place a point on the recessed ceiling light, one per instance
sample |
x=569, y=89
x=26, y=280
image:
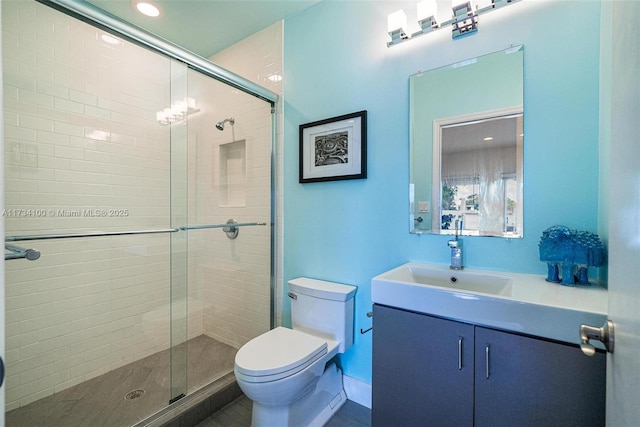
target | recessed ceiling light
x=488, y=138
x=147, y=8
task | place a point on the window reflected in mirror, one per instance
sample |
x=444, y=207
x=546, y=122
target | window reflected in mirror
x=481, y=176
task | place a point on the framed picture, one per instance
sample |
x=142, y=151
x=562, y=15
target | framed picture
x=334, y=149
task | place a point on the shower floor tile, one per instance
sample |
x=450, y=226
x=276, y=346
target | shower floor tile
x=101, y=400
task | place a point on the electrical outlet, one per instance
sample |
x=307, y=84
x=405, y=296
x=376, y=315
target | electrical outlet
x=423, y=207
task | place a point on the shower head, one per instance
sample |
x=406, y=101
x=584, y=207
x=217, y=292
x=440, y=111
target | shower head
x=220, y=125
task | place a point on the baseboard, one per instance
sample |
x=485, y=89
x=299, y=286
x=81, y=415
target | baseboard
x=357, y=391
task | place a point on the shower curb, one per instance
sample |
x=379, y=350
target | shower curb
x=196, y=407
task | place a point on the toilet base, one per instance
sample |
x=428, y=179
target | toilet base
x=313, y=409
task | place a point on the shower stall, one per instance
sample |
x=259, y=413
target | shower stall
x=139, y=233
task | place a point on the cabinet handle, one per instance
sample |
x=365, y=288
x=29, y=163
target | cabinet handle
x=460, y=353
x=486, y=360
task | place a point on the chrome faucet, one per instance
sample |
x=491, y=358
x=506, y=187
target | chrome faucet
x=456, y=249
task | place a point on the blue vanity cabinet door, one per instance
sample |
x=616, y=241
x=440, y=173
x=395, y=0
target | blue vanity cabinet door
x=533, y=382
x=419, y=376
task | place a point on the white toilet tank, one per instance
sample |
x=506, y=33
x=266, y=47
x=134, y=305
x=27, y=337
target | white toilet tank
x=323, y=309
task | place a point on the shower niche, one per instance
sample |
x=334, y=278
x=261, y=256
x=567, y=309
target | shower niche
x=233, y=174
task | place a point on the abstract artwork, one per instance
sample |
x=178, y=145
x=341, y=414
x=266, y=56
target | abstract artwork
x=334, y=149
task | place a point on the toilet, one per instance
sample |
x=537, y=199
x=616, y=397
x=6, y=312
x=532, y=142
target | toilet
x=285, y=372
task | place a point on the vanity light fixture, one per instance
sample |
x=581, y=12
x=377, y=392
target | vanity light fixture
x=396, y=24
x=108, y=38
x=427, y=15
x=177, y=112
x=463, y=22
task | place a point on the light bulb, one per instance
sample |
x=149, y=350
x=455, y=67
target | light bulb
x=396, y=21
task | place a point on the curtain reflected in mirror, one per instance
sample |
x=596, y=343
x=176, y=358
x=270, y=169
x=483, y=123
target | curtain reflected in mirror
x=481, y=176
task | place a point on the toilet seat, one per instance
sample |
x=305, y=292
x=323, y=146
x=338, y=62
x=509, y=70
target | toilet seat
x=277, y=354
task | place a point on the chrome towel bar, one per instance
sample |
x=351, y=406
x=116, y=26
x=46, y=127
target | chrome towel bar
x=89, y=234
x=16, y=252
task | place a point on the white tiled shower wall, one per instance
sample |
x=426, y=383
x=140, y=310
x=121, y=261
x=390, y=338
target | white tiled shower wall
x=81, y=135
x=260, y=58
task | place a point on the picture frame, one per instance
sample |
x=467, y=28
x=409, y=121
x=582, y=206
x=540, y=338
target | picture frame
x=334, y=149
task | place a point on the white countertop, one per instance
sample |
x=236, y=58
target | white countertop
x=533, y=306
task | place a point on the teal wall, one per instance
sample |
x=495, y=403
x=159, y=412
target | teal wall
x=337, y=62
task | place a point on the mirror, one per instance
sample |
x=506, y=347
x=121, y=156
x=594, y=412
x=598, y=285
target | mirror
x=467, y=143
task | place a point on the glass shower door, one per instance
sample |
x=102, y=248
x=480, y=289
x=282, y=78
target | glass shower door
x=122, y=170
x=88, y=173
x=229, y=267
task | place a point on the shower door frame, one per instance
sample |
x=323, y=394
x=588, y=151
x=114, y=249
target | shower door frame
x=97, y=17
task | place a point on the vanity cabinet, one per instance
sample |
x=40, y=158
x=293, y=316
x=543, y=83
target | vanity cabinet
x=429, y=371
x=422, y=370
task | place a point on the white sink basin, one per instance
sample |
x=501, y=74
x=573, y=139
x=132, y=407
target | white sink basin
x=523, y=303
x=443, y=277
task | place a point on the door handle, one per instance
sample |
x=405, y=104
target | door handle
x=604, y=334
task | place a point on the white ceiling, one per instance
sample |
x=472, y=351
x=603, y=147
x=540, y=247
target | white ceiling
x=205, y=27
x=470, y=137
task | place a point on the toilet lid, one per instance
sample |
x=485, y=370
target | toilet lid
x=277, y=351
